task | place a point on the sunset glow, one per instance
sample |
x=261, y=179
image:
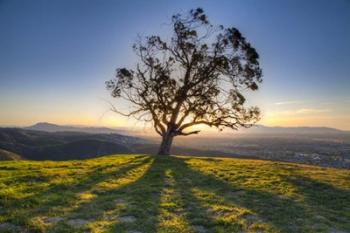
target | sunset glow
x=53, y=65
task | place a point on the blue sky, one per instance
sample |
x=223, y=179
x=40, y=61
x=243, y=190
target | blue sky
x=56, y=55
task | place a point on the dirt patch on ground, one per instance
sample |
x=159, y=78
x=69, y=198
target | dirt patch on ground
x=127, y=219
x=4, y=227
x=52, y=220
x=77, y=222
x=199, y=229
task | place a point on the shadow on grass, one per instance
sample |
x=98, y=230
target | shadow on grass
x=278, y=213
x=138, y=201
x=143, y=200
x=274, y=212
x=327, y=203
x=59, y=196
x=324, y=207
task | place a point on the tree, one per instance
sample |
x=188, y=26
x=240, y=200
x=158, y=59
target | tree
x=197, y=77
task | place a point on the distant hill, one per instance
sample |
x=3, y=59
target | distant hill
x=7, y=155
x=257, y=129
x=40, y=145
x=48, y=127
x=321, y=146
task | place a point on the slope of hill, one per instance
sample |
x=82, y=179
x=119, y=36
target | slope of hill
x=7, y=155
x=39, y=145
x=135, y=193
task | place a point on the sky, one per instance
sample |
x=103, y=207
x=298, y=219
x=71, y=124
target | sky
x=55, y=57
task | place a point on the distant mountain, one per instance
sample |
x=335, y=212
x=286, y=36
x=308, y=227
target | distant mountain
x=48, y=127
x=261, y=129
x=257, y=129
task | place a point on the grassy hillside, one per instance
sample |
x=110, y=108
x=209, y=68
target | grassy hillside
x=135, y=193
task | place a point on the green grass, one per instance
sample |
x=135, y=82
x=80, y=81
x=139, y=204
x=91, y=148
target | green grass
x=136, y=193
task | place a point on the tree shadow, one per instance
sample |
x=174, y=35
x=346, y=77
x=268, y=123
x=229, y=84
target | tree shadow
x=133, y=206
x=57, y=197
x=323, y=207
x=207, y=202
x=279, y=213
x=262, y=210
x=143, y=200
x=328, y=204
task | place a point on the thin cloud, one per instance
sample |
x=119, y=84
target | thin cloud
x=299, y=112
x=288, y=102
x=311, y=110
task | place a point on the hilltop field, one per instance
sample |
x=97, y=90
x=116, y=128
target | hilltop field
x=147, y=194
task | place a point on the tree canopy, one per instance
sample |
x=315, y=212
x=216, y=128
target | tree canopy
x=198, y=76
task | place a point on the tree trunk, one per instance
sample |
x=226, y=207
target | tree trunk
x=164, y=148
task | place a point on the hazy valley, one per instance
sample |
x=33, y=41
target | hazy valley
x=317, y=146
